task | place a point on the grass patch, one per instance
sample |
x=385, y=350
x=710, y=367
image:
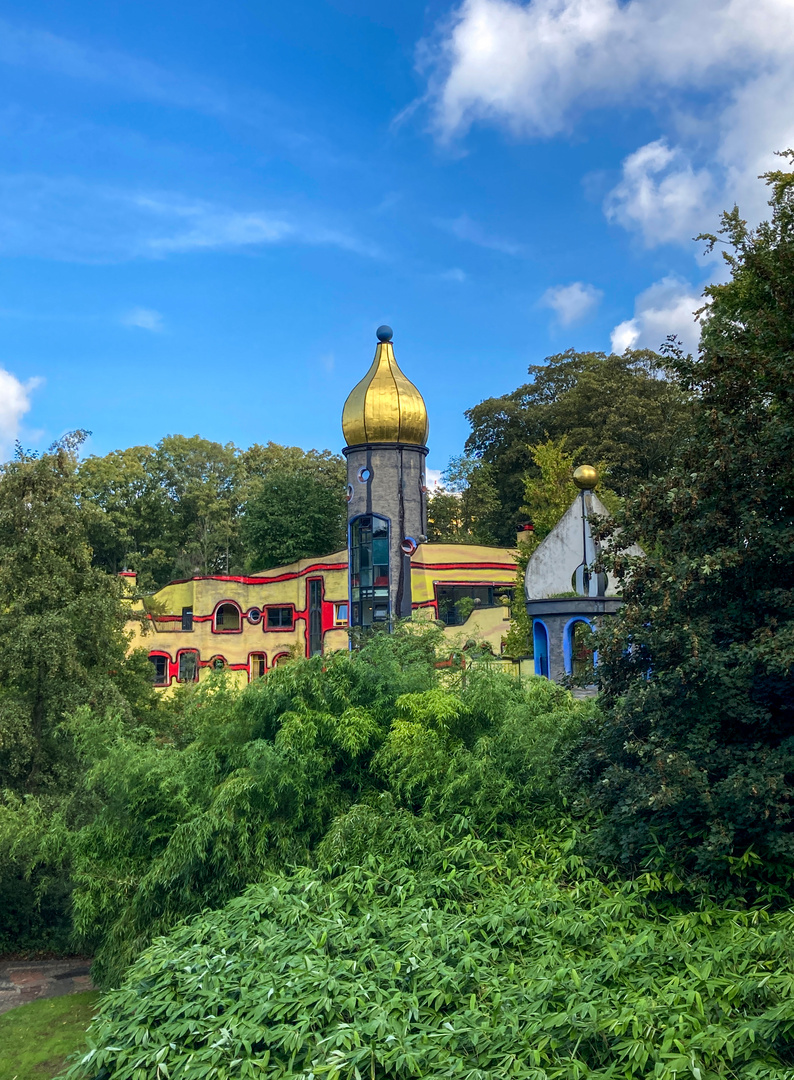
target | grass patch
x=36, y=1039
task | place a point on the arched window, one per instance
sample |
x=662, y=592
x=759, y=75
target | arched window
x=227, y=617
x=540, y=648
x=280, y=659
x=578, y=650
x=369, y=570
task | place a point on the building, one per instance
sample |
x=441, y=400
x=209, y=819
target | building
x=250, y=624
x=565, y=600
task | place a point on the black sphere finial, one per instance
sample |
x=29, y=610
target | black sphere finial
x=384, y=333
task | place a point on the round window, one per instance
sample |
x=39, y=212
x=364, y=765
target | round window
x=364, y=476
x=349, y=493
x=254, y=616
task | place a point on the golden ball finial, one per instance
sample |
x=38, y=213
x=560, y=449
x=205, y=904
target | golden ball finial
x=585, y=477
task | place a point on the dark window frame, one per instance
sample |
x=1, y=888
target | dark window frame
x=166, y=660
x=290, y=608
x=183, y=653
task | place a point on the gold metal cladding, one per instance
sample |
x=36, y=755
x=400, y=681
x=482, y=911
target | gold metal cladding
x=385, y=406
x=585, y=477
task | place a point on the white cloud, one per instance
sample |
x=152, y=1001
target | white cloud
x=572, y=303
x=667, y=307
x=473, y=233
x=717, y=74
x=68, y=219
x=144, y=319
x=14, y=403
x=660, y=195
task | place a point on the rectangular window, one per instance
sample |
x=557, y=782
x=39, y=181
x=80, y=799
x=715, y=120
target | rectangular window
x=315, y=616
x=258, y=664
x=457, y=602
x=340, y=614
x=279, y=618
x=160, y=674
x=188, y=667
x=187, y=618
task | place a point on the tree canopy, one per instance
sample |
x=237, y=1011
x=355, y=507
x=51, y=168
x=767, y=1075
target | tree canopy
x=626, y=412
x=696, y=755
x=179, y=509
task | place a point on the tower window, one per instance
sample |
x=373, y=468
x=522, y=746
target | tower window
x=227, y=617
x=279, y=618
x=369, y=569
x=188, y=667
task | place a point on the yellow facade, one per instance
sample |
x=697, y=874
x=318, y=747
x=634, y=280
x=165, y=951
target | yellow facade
x=249, y=624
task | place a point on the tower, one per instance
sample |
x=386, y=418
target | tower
x=384, y=422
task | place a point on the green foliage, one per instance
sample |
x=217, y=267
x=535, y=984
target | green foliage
x=294, y=514
x=466, y=510
x=694, y=763
x=465, y=959
x=36, y=1040
x=180, y=508
x=624, y=411
x=233, y=785
x=62, y=640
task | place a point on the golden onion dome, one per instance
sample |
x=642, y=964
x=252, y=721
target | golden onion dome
x=385, y=406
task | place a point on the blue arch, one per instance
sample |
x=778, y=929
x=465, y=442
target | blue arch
x=567, y=642
x=540, y=647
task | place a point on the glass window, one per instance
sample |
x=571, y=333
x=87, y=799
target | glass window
x=315, y=616
x=188, y=667
x=160, y=674
x=279, y=618
x=369, y=570
x=457, y=602
x=258, y=665
x=227, y=617
x=340, y=614
x=187, y=618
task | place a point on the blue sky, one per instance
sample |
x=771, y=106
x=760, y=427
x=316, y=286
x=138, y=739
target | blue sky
x=207, y=209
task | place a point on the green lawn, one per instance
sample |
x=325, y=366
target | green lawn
x=36, y=1039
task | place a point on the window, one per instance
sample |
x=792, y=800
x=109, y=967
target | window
x=315, y=616
x=257, y=665
x=369, y=570
x=227, y=617
x=160, y=665
x=457, y=602
x=340, y=614
x=188, y=667
x=187, y=618
x=279, y=618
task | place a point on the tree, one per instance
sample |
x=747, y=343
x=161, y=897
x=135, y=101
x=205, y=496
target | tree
x=625, y=411
x=466, y=510
x=294, y=514
x=62, y=640
x=695, y=758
